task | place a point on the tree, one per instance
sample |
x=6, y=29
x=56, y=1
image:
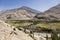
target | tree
x=46, y=37
x=59, y=38
x=54, y=35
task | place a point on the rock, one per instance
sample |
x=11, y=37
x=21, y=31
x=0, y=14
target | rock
x=7, y=33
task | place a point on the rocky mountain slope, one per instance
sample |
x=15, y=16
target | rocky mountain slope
x=8, y=32
x=22, y=13
x=50, y=14
x=54, y=12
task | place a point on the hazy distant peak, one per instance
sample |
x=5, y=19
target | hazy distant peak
x=28, y=9
x=54, y=8
x=58, y=5
x=24, y=7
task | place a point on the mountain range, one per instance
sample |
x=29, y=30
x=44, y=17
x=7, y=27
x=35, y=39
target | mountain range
x=50, y=14
x=22, y=13
x=26, y=13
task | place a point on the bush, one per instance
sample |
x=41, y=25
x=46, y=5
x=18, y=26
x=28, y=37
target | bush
x=46, y=37
x=54, y=36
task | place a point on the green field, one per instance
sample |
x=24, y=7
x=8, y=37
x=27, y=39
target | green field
x=40, y=24
x=49, y=25
x=19, y=24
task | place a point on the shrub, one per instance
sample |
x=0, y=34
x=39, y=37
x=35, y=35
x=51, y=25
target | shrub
x=54, y=35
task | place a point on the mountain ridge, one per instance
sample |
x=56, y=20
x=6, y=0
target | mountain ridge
x=26, y=13
x=22, y=13
x=51, y=14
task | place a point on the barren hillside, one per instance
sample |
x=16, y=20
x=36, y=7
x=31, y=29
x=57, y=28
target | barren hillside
x=7, y=32
x=50, y=14
x=22, y=13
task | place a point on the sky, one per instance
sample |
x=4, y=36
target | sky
x=41, y=5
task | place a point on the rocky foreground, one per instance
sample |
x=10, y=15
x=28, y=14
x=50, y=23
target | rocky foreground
x=8, y=32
